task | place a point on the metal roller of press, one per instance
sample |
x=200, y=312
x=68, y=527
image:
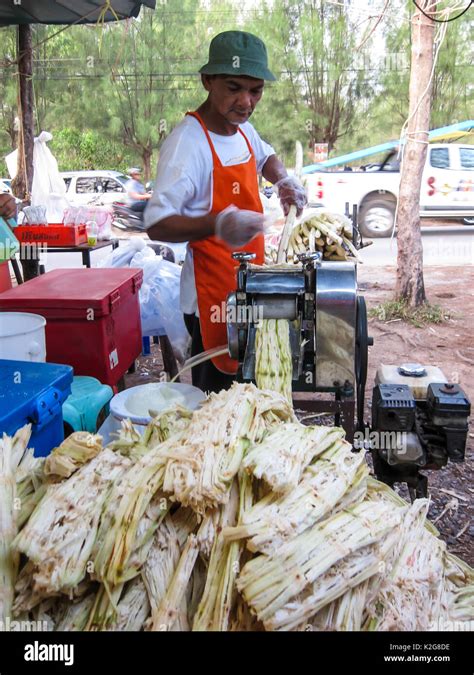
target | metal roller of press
x=328, y=328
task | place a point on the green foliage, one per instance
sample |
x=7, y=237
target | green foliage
x=111, y=96
x=394, y=310
x=85, y=150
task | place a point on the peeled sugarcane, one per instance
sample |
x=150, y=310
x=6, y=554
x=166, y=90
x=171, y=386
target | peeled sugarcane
x=75, y=451
x=282, y=456
x=273, y=359
x=328, y=233
x=278, y=518
x=11, y=453
x=268, y=583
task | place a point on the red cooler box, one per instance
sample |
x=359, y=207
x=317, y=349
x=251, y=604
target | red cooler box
x=92, y=318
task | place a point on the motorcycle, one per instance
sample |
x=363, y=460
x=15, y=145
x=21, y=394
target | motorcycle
x=125, y=218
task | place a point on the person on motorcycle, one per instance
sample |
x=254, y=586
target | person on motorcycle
x=206, y=193
x=137, y=195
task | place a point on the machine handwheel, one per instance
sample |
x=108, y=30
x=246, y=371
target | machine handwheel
x=361, y=358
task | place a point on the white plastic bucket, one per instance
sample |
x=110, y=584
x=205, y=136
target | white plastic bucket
x=134, y=404
x=22, y=336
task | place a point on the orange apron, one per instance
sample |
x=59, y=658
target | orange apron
x=214, y=267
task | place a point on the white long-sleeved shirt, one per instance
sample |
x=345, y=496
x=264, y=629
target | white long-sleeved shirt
x=183, y=183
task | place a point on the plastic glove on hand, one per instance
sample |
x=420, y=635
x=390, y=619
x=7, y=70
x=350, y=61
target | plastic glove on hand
x=291, y=192
x=237, y=227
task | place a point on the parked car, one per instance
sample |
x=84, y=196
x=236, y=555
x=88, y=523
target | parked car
x=447, y=189
x=88, y=187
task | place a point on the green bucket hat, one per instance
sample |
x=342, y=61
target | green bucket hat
x=235, y=52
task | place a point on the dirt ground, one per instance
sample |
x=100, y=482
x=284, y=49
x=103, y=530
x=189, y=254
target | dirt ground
x=449, y=346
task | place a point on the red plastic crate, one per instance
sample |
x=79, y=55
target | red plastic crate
x=92, y=318
x=54, y=234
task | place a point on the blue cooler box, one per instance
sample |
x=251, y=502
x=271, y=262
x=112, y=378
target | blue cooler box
x=34, y=393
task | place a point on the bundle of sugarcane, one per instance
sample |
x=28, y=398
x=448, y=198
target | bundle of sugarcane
x=160, y=566
x=283, y=454
x=328, y=233
x=202, y=465
x=277, y=518
x=60, y=533
x=273, y=360
x=410, y=595
x=126, y=506
x=214, y=610
x=270, y=583
x=356, y=608
x=350, y=572
x=77, y=449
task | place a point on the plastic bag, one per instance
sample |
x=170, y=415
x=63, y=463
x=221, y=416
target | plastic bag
x=159, y=304
x=122, y=255
x=159, y=294
x=48, y=188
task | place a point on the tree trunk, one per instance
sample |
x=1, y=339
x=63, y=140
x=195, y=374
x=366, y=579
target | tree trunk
x=410, y=285
x=24, y=178
x=21, y=185
x=146, y=157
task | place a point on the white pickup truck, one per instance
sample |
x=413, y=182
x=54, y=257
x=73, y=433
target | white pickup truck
x=447, y=188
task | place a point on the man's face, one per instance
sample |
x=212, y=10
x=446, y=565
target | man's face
x=233, y=97
x=136, y=176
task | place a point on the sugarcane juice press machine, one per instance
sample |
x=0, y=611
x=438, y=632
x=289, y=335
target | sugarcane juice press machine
x=419, y=419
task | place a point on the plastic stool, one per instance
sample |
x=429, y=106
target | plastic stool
x=88, y=398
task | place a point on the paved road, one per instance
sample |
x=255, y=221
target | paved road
x=441, y=246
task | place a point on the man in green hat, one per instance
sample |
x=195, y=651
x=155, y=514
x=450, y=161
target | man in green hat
x=206, y=193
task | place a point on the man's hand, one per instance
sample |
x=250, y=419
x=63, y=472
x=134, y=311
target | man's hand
x=7, y=206
x=291, y=192
x=237, y=227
